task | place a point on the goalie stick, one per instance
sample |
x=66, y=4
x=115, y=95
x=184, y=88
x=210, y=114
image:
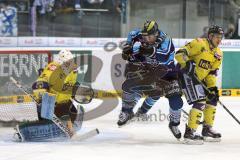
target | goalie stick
x=86, y=135
x=57, y=121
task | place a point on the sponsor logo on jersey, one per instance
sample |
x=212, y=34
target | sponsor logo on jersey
x=217, y=56
x=52, y=67
x=205, y=64
x=67, y=86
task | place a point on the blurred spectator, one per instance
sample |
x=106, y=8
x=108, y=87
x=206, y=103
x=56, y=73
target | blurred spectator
x=77, y=4
x=95, y=1
x=92, y=3
x=230, y=31
x=44, y=6
x=205, y=31
x=22, y=6
x=8, y=19
x=235, y=34
x=118, y=5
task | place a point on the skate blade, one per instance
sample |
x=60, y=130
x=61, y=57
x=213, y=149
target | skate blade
x=177, y=137
x=193, y=142
x=127, y=123
x=210, y=139
x=135, y=120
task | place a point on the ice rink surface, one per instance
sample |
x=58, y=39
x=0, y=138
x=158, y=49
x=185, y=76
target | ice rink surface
x=136, y=141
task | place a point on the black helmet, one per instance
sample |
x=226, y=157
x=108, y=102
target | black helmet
x=215, y=29
x=150, y=28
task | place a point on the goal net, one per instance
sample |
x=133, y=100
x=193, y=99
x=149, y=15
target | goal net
x=24, y=66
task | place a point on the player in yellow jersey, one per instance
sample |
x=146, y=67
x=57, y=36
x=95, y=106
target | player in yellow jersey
x=201, y=59
x=57, y=92
x=58, y=78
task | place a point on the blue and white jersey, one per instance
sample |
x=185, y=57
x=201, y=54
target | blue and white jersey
x=163, y=52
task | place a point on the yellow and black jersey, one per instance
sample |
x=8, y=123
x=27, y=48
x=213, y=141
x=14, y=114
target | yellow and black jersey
x=207, y=60
x=55, y=81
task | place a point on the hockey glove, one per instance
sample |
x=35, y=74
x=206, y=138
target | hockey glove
x=38, y=89
x=146, y=50
x=190, y=67
x=213, y=95
x=126, y=52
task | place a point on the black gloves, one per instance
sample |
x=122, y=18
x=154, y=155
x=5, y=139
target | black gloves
x=190, y=67
x=213, y=95
x=126, y=52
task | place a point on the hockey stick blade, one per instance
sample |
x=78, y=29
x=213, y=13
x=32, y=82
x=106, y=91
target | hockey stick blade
x=86, y=135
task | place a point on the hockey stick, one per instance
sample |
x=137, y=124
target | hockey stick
x=86, y=135
x=226, y=109
x=185, y=112
x=55, y=119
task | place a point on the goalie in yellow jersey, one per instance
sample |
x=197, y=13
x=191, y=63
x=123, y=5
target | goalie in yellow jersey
x=58, y=78
x=55, y=91
x=200, y=60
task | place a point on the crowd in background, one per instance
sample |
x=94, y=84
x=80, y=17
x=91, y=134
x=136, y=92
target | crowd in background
x=48, y=17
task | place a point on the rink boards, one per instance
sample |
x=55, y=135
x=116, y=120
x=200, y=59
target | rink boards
x=101, y=64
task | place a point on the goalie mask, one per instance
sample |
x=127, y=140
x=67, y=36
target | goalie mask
x=66, y=60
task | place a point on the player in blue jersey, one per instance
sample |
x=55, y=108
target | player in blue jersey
x=150, y=72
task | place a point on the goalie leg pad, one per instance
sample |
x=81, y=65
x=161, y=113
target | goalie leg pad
x=40, y=131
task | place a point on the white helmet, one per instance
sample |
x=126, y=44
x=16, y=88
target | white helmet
x=66, y=60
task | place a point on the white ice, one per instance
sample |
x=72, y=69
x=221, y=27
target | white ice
x=136, y=141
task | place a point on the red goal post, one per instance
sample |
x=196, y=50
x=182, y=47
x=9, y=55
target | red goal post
x=23, y=65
